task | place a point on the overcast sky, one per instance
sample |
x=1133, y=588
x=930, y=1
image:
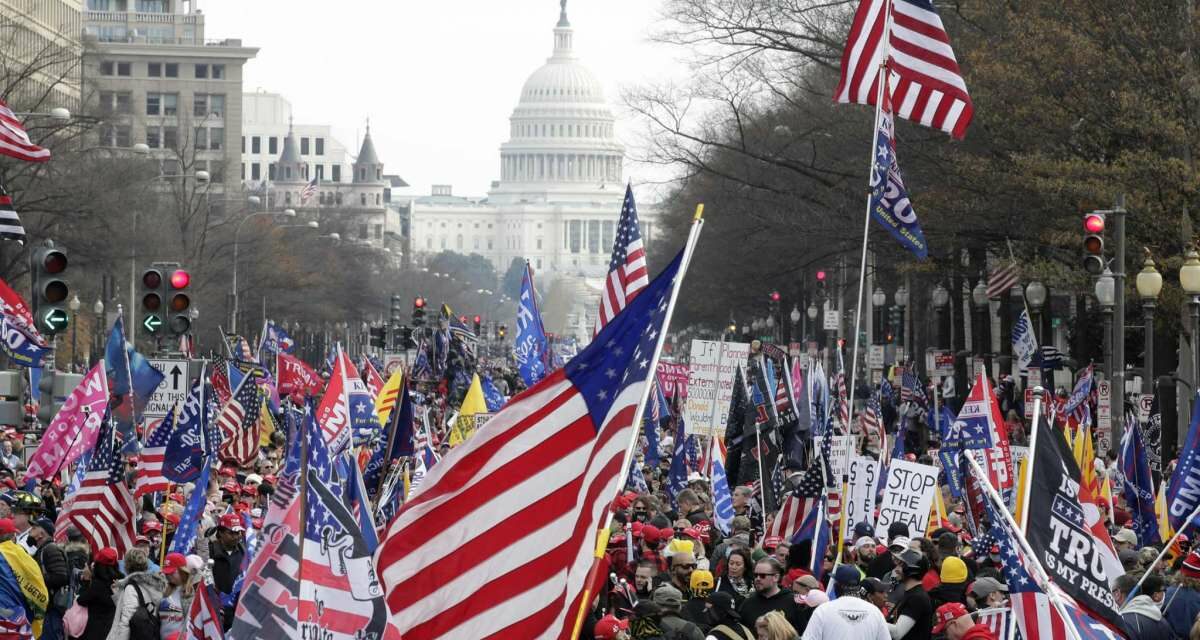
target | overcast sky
x=438, y=78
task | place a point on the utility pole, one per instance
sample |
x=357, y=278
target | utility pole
x=1118, y=347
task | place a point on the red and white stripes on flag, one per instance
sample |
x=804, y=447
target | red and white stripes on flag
x=239, y=425
x=150, y=476
x=1002, y=279
x=14, y=141
x=204, y=616
x=102, y=508
x=926, y=84
x=994, y=619
x=791, y=515
x=627, y=274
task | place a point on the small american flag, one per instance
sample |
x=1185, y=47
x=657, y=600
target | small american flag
x=926, y=84
x=627, y=274
x=15, y=142
x=204, y=616
x=995, y=619
x=1002, y=279
x=150, y=476
x=310, y=190
x=103, y=508
x=10, y=222
x=239, y=424
x=797, y=505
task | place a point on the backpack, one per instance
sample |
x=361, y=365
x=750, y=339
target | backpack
x=144, y=623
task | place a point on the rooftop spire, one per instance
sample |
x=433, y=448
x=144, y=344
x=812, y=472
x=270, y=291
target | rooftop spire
x=562, y=14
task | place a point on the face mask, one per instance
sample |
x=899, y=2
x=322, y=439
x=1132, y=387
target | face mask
x=640, y=516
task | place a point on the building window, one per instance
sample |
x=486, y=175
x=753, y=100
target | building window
x=216, y=138
x=458, y=242
x=255, y=144
x=539, y=263
x=152, y=6
x=338, y=198
x=476, y=243
x=320, y=171
x=575, y=236
x=303, y=146
x=115, y=135
x=607, y=238
x=204, y=104
x=336, y=173
x=443, y=243
x=320, y=143
x=429, y=243
x=539, y=244
x=162, y=104
x=287, y=197
x=218, y=72
x=272, y=145
x=118, y=102
x=378, y=232
x=243, y=171
x=256, y=171
x=202, y=71
x=362, y=199
x=489, y=244
x=243, y=144
x=171, y=69
x=271, y=171
x=107, y=68
x=154, y=69
x=593, y=232
x=170, y=138
x=201, y=139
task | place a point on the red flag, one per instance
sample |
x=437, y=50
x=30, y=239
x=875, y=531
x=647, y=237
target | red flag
x=297, y=377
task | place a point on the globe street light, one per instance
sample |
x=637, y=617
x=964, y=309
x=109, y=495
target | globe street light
x=878, y=299
x=941, y=299
x=901, y=300
x=1149, y=285
x=1106, y=295
x=980, y=297
x=1189, y=279
x=1035, y=297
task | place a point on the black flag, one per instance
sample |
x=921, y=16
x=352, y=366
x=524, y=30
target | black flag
x=1060, y=528
x=738, y=408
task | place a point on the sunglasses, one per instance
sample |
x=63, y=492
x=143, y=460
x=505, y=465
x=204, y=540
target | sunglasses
x=765, y=575
x=686, y=566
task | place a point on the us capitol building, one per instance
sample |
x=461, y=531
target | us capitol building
x=558, y=199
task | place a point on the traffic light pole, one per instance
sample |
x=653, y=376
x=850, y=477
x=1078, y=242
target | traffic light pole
x=1118, y=339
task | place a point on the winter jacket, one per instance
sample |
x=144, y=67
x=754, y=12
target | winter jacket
x=97, y=596
x=1144, y=620
x=726, y=585
x=226, y=565
x=55, y=570
x=1182, y=610
x=151, y=585
x=674, y=626
x=946, y=592
x=979, y=632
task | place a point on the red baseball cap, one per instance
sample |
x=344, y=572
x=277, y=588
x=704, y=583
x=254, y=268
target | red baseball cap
x=141, y=540
x=948, y=613
x=151, y=526
x=174, y=562
x=7, y=526
x=233, y=522
x=106, y=556
x=250, y=490
x=10, y=483
x=228, y=472
x=650, y=533
x=608, y=627
x=269, y=479
x=230, y=487
x=770, y=542
x=173, y=518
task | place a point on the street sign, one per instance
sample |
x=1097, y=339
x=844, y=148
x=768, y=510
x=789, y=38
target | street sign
x=831, y=320
x=174, y=387
x=56, y=319
x=1144, y=402
x=875, y=357
x=1103, y=417
x=392, y=362
x=940, y=362
x=794, y=349
x=1029, y=403
x=152, y=323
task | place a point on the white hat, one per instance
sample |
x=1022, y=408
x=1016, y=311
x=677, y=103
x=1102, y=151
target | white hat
x=899, y=541
x=253, y=478
x=865, y=541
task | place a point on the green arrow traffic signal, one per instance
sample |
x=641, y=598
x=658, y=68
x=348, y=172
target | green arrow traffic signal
x=56, y=320
x=152, y=323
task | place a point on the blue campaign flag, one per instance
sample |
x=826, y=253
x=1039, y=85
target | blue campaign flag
x=187, y=449
x=677, y=475
x=400, y=428
x=359, y=503
x=636, y=481
x=722, y=497
x=530, y=348
x=276, y=340
x=491, y=395
x=185, y=535
x=22, y=347
x=145, y=378
x=1138, y=486
x=655, y=407
x=116, y=360
x=818, y=406
x=890, y=206
x=1183, y=492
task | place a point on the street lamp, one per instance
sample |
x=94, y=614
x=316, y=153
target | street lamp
x=288, y=213
x=74, y=305
x=1149, y=285
x=1035, y=296
x=878, y=299
x=1106, y=295
x=97, y=309
x=1189, y=279
x=980, y=297
x=901, y=300
x=941, y=299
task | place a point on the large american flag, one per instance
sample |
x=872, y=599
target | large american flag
x=627, y=274
x=15, y=142
x=238, y=423
x=500, y=536
x=102, y=508
x=926, y=84
x=150, y=476
x=10, y=222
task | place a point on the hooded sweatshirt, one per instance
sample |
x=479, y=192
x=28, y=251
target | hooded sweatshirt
x=151, y=586
x=1144, y=620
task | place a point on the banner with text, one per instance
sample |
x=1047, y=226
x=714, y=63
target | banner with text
x=907, y=498
x=710, y=384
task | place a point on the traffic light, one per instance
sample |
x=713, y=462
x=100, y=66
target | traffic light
x=51, y=289
x=1093, y=243
x=418, y=314
x=821, y=284
x=179, y=305
x=503, y=331
x=396, y=311
x=152, y=300
x=478, y=323
x=379, y=337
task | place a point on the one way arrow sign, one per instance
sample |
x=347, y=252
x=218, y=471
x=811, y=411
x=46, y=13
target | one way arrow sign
x=173, y=389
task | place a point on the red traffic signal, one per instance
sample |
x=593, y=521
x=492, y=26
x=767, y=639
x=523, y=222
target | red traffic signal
x=419, y=303
x=54, y=262
x=775, y=296
x=820, y=276
x=478, y=319
x=1093, y=223
x=180, y=279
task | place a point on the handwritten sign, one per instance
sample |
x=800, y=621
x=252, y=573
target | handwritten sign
x=710, y=384
x=907, y=497
x=862, y=479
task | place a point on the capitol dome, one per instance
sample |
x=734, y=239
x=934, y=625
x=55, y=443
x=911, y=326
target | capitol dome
x=562, y=143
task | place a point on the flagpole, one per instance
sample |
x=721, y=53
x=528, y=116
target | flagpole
x=1023, y=499
x=602, y=535
x=712, y=420
x=1035, y=562
x=881, y=81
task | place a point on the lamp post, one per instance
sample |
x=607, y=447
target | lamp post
x=878, y=299
x=980, y=297
x=941, y=298
x=1035, y=296
x=290, y=213
x=901, y=300
x=1149, y=285
x=1106, y=296
x=97, y=309
x=74, y=305
x=1189, y=279
x=795, y=317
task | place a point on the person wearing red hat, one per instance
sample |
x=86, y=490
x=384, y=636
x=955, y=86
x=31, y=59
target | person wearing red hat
x=177, y=599
x=610, y=628
x=652, y=541
x=96, y=593
x=226, y=551
x=956, y=623
x=1182, y=602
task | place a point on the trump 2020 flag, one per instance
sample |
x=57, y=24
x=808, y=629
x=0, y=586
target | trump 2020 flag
x=1023, y=343
x=73, y=429
x=1138, y=486
x=1183, y=493
x=722, y=497
x=530, y=348
x=890, y=206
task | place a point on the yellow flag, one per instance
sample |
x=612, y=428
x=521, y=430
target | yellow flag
x=388, y=396
x=266, y=422
x=473, y=403
x=937, y=514
x=1022, y=483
